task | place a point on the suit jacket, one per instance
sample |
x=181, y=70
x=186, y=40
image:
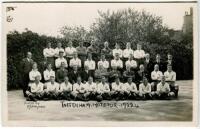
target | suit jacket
x=139, y=76
x=148, y=66
x=26, y=65
x=85, y=75
x=161, y=66
x=60, y=75
x=73, y=76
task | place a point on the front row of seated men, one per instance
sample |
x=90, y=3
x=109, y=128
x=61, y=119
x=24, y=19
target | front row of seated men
x=99, y=91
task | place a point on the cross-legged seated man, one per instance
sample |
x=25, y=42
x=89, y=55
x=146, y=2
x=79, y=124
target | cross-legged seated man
x=163, y=90
x=117, y=91
x=103, y=90
x=80, y=90
x=130, y=89
x=66, y=89
x=35, y=90
x=51, y=89
x=145, y=89
x=92, y=88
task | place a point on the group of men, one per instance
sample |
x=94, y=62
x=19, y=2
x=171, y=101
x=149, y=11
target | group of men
x=73, y=74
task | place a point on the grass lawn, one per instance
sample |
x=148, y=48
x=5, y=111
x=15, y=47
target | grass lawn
x=151, y=110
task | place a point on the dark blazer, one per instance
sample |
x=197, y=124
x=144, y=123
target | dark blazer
x=60, y=75
x=73, y=76
x=161, y=65
x=26, y=66
x=85, y=75
x=148, y=66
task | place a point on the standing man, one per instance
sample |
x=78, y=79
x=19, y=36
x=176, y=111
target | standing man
x=140, y=74
x=117, y=51
x=82, y=53
x=60, y=60
x=104, y=62
x=131, y=63
x=90, y=63
x=139, y=54
x=159, y=63
x=94, y=50
x=106, y=51
x=75, y=61
x=128, y=51
x=69, y=51
x=26, y=66
x=49, y=53
x=148, y=64
x=58, y=49
x=117, y=62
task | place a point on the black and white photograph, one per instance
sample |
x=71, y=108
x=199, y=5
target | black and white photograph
x=98, y=63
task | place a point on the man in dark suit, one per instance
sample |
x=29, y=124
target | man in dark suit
x=148, y=64
x=160, y=63
x=61, y=73
x=26, y=66
x=74, y=74
x=86, y=73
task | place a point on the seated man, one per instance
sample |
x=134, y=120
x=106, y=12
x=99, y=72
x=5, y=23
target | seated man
x=132, y=63
x=145, y=89
x=155, y=77
x=61, y=73
x=49, y=53
x=75, y=61
x=170, y=77
x=90, y=63
x=163, y=90
x=80, y=90
x=130, y=89
x=48, y=72
x=116, y=90
x=128, y=73
x=34, y=72
x=117, y=62
x=103, y=90
x=74, y=74
x=92, y=88
x=159, y=62
x=113, y=74
x=66, y=89
x=101, y=71
x=61, y=59
x=140, y=74
x=52, y=89
x=36, y=90
x=86, y=73
x=104, y=62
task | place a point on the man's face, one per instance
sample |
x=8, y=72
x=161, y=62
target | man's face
x=106, y=44
x=103, y=57
x=169, y=57
x=117, y=46
x=147, y=56
x=52, y=79
x=79, y=80
x=49, y=45
x=117, y=81
x=117, y=56
x=81, y=44
x=86, y=67
x=90, y=56
x=163, y=79
x=156, y=67
x=145, y=81
x=29, y=55
x=34, y=66
x=158, y=57
x=90, y=80
x=142, y=67
x=61, y=54
x=59, y=45
x=37, y=79
x=62, y=65
x=139, y=47
x=49, y=66
x=66, y=79
x=75, y=55
x=169, y=68
x=129, y=80
x=75, y=68
x=103, y=80
x=128, y=45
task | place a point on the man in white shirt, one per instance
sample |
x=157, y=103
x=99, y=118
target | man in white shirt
x=139, y=54
x=60, y=60
x=131, y=63
x=155, y=77
x=58, y=49
x=163, y=90
x=49, y=53
x=103, y=90
x=104, y=62
x=48, y=72
x=145, y=89
x=52, y=89
x=170, y=77
x=117, y=89
x=128, y=51
x=92, y=88
x=75, y=61
x=80, y=90
x=130, y=89
x=117, y=50
x=34, y=72
x=117, y=62
x=90, y=63
x=66, y=89
x=35, y=90
x=69, y=51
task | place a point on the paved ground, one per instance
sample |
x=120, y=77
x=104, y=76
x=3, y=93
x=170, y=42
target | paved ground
x=151, y=110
